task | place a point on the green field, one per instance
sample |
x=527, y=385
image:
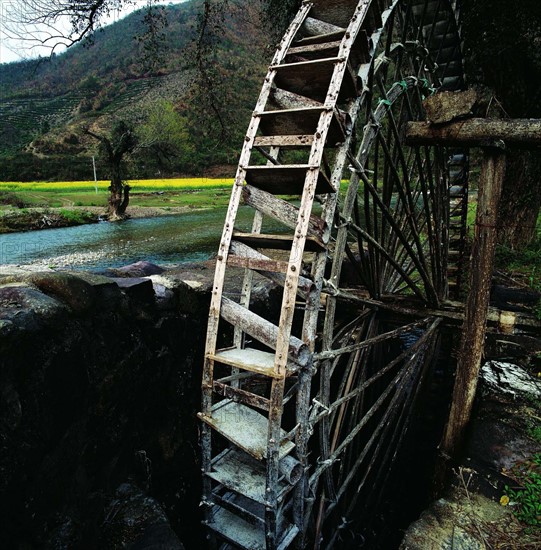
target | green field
x=190, y=192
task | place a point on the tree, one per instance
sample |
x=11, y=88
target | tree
x=115, y=147
x=58, y=23
x=165, y=135
x=501, y=53
x=160, y=133
x=53, y=24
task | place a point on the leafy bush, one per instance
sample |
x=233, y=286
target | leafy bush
x=527, y=496
x=77, y=216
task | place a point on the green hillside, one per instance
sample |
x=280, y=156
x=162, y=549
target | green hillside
x=44, y=104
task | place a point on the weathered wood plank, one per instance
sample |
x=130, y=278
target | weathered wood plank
x=249, y=359
x=313, y=78
x=257, y=264
x=316, y=27
x=271, y=269
x=286, y=179
x=277, y=242
x=281, y=210
x=476, y=132
x=303, y=120
x=263, y=331
x=244, y=427
x=242, y=396
x=319, y=39
x=284, y=141
x=338, y=12
x=315, y=48
x=284, y=99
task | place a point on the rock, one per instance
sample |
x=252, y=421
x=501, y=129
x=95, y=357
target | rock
x=175, y=293
x=64, y=535
x=23, y=307
x=516, y=348
x=137, y=289
x=454, y=523
x=509, y=379
x=499, y=438
x=447, y=106
x=136, y=521
x=495, y=445
x=138, y=269
x=159, y=536
x=69, y=289
x=10, y=409
x=108, y=294
x=10, y=270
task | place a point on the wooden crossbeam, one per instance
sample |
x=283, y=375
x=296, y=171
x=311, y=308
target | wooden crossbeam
x=476, y=132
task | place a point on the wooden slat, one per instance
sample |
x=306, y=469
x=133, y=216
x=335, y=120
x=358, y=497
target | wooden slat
x=244, y=427
x=257, y=261
x=337, y=12
x=281, y=210
x=317, y=27
x=276, y=242
x=244, y=535
x=253, y=360
x=302, y=121
x=360, y=51
x=320, y=39
x=285, y=179
x=315, y=49
x=262, y=330
x=257, y=264
x=313, y=78
x=241, y=396
x=261, y=362
x=284, y=99
x=476, y=132
x=243, y=474
x=284, y=141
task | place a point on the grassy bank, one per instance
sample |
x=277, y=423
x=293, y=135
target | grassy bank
x=40, y=205
x=32, y=219
x=184, y=192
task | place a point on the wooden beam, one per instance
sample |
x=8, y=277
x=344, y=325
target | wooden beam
x=476, y=132
x=264, y=331
x=501, y=320
x=281, y=210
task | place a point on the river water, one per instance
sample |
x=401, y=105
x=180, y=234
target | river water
x=193, y=236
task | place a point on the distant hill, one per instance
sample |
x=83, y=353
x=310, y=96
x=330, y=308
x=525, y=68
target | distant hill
x=45, y=103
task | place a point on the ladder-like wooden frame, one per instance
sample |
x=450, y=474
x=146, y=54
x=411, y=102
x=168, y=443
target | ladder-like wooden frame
x=310, y=100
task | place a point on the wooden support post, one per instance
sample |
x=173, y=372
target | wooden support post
x=482, y=265
x=490, y=135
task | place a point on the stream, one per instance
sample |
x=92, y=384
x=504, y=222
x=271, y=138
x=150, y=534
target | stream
x=189, y=237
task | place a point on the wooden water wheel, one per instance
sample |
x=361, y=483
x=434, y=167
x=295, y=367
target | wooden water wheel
x=303, y=417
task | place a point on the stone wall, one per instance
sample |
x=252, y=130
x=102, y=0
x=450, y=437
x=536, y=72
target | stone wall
x=99, y=385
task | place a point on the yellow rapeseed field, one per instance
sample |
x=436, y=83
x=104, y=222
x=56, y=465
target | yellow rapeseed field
x=137, y=185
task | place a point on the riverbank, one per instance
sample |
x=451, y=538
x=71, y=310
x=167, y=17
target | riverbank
x=33, y=219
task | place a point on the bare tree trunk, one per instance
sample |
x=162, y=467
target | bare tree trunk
x=125, y=201
x=521, y=199
x=117, y=198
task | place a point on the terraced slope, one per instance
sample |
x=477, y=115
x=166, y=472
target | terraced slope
x=44, y=104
